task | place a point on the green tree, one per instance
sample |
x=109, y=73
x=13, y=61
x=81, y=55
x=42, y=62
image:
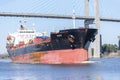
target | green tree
x=109, y=48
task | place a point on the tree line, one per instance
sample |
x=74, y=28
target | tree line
x=108, y=48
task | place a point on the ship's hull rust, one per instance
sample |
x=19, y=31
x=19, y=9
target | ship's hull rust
x=69, y=56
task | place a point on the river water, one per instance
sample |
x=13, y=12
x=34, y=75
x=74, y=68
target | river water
x=99, y=69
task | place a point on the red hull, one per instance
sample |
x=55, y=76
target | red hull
x=69, y=56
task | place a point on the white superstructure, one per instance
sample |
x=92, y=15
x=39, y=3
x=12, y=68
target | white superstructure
x=23, y=35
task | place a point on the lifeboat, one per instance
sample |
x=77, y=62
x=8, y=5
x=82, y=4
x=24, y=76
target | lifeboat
x=8, y=37
x=21, y=43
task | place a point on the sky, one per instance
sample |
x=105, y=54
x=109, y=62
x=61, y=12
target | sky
x=109, y=30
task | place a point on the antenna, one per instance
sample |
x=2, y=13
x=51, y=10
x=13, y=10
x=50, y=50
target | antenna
x=33, y=24
x=23, y=23
x=73, y=18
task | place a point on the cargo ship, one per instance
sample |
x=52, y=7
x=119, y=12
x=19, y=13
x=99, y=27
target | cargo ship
x=67, y=46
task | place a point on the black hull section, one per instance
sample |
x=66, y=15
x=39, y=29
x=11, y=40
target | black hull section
x=65, y=39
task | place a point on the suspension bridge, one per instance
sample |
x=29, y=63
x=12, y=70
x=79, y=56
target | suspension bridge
x=58, y=16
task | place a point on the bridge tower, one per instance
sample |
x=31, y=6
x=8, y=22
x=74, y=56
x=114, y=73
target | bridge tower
x=118, y=42
x=97, y=23
x=87, y=22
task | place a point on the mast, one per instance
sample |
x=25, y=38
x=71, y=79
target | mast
x=73, y=18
